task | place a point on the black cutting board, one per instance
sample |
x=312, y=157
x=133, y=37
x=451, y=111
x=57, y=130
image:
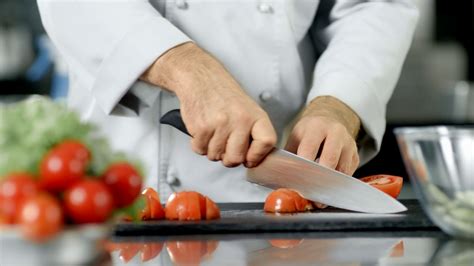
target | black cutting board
x=250, y=218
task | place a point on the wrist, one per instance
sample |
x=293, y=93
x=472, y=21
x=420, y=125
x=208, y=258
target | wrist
x=332, y=107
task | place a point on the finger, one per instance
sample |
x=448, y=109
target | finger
x=217, y=144
x=345, y=161
x=310, y=145
x=293, y=143
x=200, y=141
x=355, y=161
x=331, y=151
x=263, y=140
x=236, y=148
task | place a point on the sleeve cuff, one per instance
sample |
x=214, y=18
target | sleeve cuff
x=138, y=49
x=356, y=94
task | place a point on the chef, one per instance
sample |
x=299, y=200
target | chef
x=241, y=72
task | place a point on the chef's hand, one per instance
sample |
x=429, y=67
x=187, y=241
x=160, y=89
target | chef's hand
x=327, y=128
x=219, y=115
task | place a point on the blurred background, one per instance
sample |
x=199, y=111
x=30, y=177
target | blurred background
x=436, y=85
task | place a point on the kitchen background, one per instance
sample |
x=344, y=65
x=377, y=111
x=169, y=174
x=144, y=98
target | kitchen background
x=436, y=85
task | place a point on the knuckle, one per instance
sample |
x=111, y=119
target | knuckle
x=221, y=119
x=269, y=141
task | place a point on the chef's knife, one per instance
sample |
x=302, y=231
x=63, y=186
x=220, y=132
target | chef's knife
x=282, y=169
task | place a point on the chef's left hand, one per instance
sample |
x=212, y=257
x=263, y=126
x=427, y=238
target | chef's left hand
x=328, y=125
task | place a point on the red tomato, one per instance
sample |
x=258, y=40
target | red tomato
x=153, y=209
x=190, y=252
x=390, y=184
x=190, y=206
x=124, y=182
x=285, y=243
x=14, y=190
x=41, y=217
x=76, y=149
x=151, y=251
x=63, y=166
x=285, y=200
x=89, y=201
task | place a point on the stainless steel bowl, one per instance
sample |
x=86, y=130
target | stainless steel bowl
x=440, y=163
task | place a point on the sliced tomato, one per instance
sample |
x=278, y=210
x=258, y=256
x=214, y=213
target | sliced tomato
x=63, y=166
x=190, y=206
x=41, y=217
x=190, y=252
x=124, y=181
x=14, y=190
x=89, y=201
x=285, y=200
x=285, y=243
x=153, y=209
x=390, y=184
x=151, y=251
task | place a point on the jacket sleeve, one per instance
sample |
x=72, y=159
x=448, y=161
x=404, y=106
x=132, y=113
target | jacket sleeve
x=365, y=44
x=108, y=44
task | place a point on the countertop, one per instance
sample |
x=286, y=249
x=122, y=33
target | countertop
x=424, y=245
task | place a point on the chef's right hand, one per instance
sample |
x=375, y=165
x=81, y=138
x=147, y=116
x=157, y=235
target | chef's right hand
x=219, y=115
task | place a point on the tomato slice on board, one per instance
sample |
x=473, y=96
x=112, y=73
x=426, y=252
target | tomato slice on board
x=190, y=206
x=390, y=184
x=153, y=209
x=124, y=182
x=89, y=201
x=41, y=217
x=151, y=251
x=190, y=252
x=285, y=200
x=14, y=190
x=285, y=243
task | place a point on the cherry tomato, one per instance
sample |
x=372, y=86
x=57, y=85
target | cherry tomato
x=153, y=209
x=285, y=200
x=285, y=243
x=124, y=182
x=76, y=149
x=390, y=184
x=89, y=201
x=40, y=217
x=190, y=252
x=190, y=206
x=63, y=166
x=151, y=251
x=14, y=190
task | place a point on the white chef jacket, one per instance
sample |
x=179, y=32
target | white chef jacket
x=284, y=53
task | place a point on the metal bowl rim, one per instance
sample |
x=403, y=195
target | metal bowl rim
x=424, y=132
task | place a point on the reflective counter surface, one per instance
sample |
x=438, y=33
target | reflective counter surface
x=350, y=248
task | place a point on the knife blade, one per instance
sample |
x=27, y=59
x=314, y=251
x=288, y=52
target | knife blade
x=282, y=169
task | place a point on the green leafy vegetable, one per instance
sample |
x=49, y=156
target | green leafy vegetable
x=30, y=128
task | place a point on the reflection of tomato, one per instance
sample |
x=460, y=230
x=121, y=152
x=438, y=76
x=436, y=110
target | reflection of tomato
x=392, y=185
x=190, y=252
x=89, y=201
x=14, y=190
x=129, y=250
x=63, y=166
x=153, y=209
x=286, y=201
x=190, y=206
x=41, y=217
x=285, y=243
x=398, y=250
x=151, y=251
x=124, y=182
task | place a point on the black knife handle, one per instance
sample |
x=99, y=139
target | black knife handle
x=174, y=119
